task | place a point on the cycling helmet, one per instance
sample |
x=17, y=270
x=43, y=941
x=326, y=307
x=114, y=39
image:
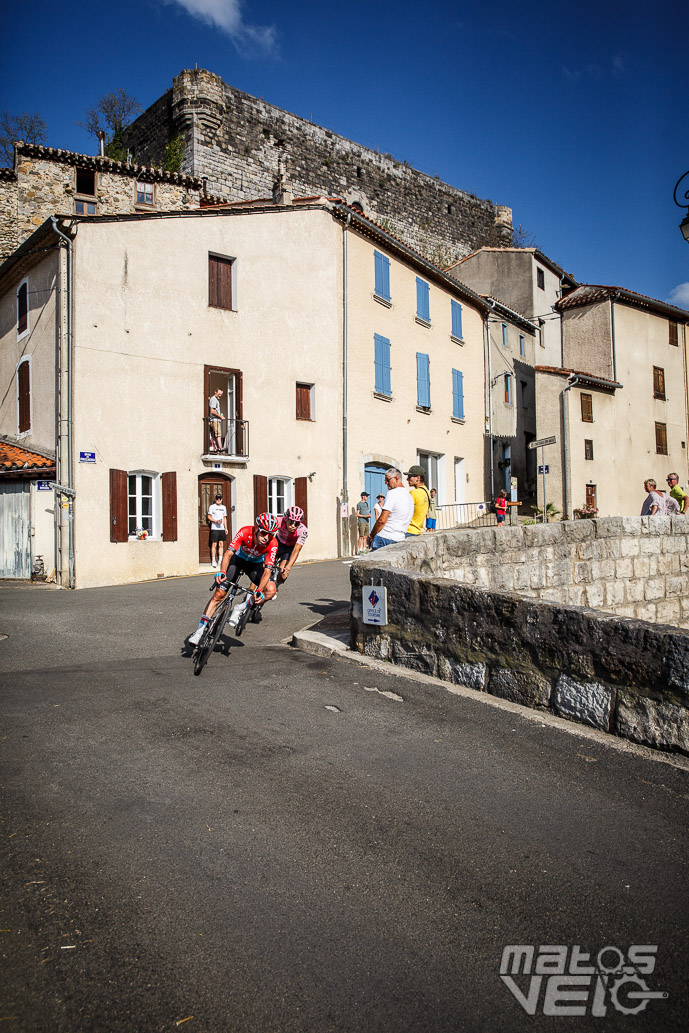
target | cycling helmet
x=267, y=522
x=295, y=513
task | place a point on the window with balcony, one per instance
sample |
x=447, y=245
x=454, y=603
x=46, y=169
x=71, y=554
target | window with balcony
x=226, y=433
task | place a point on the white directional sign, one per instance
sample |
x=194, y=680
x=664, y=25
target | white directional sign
x=375, y=603
x=543, y=441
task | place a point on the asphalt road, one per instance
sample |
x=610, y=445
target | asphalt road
x=278, y=847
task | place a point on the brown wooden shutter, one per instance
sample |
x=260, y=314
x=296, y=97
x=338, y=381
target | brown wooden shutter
x=219, y=282
x=170, y=506
x=674, y=335
x=661, y=439
x=119, y=506
x=303, y=402
x=301, y=495
x=260, y=494
x=658, y=382
x=24, y=385
x=23, y=308
x=587, y=408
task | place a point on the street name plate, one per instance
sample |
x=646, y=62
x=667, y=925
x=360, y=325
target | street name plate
x=87, y=457
x=543, y=441
x=544, y=469
x=375, y=603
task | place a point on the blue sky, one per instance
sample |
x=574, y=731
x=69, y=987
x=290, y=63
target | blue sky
x=573, y=115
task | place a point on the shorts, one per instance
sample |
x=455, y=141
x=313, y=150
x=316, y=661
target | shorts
x=364, y=526
x=216, y=428
x=284, y=551
x=500, y=517
x=217, y=536
x=237, y=566
x=430, y=523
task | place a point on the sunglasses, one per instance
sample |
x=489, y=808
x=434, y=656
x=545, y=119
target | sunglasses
x=262, y=534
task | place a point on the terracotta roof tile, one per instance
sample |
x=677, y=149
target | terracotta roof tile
x=14, y=459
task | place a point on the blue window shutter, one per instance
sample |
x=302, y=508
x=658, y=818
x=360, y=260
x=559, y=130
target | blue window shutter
x=423, y=381
x=456, y=320
x=382, y=363
x=457, y=394
x=382, y=270
x=423, y=308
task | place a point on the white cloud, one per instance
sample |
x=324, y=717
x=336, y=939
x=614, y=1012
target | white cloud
x=227, y=16
x=679, y=295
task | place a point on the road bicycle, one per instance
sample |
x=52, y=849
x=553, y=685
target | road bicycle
x=216, y=624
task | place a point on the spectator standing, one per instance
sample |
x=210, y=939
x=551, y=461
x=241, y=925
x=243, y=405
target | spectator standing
x=501, y=507
x=398, y=509
x=363, y=516
x=215, y=418
x=416, y=476
x=378, y=508
x=677, y=492
x=217, y=518
x=432, y=512
x=653, y=503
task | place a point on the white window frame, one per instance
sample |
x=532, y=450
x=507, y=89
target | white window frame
x=24, y=333
x=146, y=187
x=273, y=496
x=25, y=433
x=156, y=533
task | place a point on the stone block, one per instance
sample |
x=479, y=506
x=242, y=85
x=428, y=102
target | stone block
x=646, y=612
x=583, y=573
x=633, y=590
x=530, y=689
x=460, y=673
x=601, y=570
x=624, y=568
x=588, y=702
x=642, y=566
x=522, y=577
x=675, y=587
x=584, y=550
x=652, y=723
x=574, y=595
x=650, y=546
x=654, y=588
x=558, y=573
x=414, y=655
x=537, y=576
x=594, y=596
x=629, y=547
x=668, y=612
x=614, y=593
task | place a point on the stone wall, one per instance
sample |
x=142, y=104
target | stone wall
x=43, y=183
x=626, y=676
x=235, y=140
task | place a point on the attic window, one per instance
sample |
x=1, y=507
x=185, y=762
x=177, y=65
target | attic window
x=86, y=182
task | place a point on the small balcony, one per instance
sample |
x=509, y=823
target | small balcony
x=231, y=445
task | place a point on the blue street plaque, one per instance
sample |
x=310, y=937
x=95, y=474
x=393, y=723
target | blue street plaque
x=87, y=457
x=43, y=486
x=544, y=469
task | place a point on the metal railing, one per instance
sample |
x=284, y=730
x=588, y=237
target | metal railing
x=232, y=441
x=465, y=514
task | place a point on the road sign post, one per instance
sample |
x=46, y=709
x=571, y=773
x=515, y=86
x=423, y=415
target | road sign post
x=542, y=443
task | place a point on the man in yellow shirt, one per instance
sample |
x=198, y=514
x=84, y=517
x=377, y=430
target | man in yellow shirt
x=416, y=476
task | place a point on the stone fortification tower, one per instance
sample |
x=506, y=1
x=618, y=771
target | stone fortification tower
x=233, y=140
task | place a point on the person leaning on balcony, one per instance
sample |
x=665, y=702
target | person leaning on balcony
x=654, y=500
x=677, y=492
x=215, y=418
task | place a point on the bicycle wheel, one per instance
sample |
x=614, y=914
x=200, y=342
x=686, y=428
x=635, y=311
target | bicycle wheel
x=212, y=634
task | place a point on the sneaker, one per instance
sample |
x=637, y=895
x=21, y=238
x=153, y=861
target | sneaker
x=214, y=563
x=196, y=637
x=236, y=615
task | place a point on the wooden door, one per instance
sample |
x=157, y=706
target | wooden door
x=211, y=484
x=591, y=495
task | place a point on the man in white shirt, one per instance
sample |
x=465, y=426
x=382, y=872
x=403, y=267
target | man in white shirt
x=217, y=518
x=398, y=509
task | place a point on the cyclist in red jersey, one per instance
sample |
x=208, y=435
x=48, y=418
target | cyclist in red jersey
x=291, y=535
x=252, y=551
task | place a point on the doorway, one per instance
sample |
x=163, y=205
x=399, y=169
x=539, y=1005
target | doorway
x=374, y=483
x=460, y=481
x=210, y=485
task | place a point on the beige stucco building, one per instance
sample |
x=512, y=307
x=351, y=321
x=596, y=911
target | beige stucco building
x=278, y=308
x=617, y=405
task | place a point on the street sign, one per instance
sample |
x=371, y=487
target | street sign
x=375, y=603
x=544, y=469
x=43, y=486
x=543, y=441
x=87, y=457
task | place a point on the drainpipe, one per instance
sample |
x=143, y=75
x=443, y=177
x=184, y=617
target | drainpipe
x=612, y=327
x=345, y=495
x=571, y=382
x=489, y=364
x=70, y=467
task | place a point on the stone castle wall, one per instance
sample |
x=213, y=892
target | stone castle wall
x=235, y=141
x=509, y=629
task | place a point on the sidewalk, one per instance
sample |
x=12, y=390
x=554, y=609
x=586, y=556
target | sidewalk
x=328, y=637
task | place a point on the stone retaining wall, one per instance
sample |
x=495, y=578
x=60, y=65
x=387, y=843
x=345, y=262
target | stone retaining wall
x=623, y=675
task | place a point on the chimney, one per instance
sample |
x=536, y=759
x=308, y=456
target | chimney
x=101, y=136
x=503, y=224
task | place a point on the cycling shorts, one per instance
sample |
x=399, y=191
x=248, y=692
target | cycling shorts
x=238, y=566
